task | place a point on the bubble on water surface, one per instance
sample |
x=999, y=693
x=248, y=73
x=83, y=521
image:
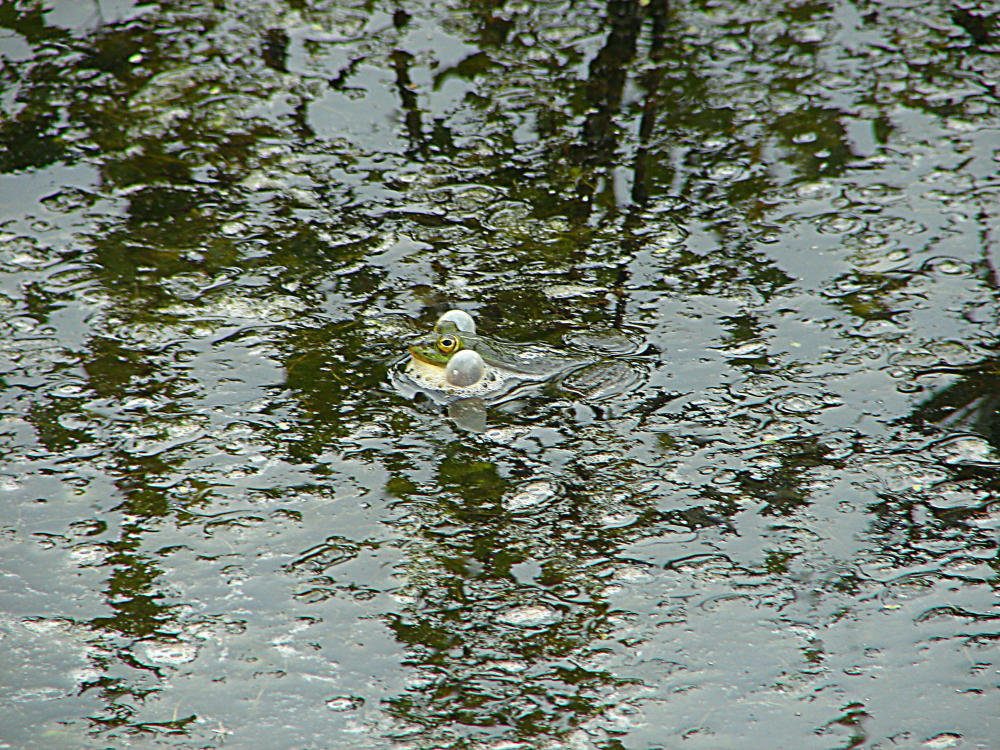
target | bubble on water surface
x=990, y=519
x=951, y=351
x=916, y=358
x=840, y=225
x=68, y=199
x=170, y=654
x=799, y=405
x=746, y=349
x=669, y=239
x=26, y=260
x=617, y=520
x=9, y=484
x=190, y=286
x=631, y=574
x=899, y=476
x=507, y=666
x=85, y=675
x=233, y=228
x=345, y=703
x=967, y=449
x=530, y=616
x=46, y=625
x=29, y=695
x=530, y=496
x=154, y=440
x=273, y=309
x=68, y=391
x=779, y=431
x=568, y=291
x=509, y=215
x=727, y=172
x=942, y=741
x=468, y=197
x=138, y=403
x=87, y=554
x=505, y=435
x=947, y=266
x=814, y=189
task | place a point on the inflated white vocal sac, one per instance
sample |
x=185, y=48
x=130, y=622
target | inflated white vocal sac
x=459, y=318
x=465, y=368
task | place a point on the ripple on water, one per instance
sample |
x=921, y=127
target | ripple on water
x=603, y=380
x=608, y=341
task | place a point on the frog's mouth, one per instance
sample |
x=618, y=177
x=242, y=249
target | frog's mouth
x=419, y=356
x=424, y=365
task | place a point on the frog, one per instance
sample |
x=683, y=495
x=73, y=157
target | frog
x=455, y=362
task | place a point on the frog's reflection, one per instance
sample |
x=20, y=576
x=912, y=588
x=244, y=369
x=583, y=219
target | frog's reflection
x=970, y=404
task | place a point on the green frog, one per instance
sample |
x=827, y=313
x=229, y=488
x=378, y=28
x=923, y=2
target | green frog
x=455, y=362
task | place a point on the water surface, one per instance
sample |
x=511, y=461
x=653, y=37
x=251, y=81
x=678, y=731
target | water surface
x=773, y=524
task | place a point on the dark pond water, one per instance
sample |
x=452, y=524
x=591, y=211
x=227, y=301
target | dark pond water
x=767, y=519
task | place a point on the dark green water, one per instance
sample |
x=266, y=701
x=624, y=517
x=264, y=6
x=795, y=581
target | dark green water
x=772, y=525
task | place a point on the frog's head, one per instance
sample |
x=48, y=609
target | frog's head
x=438, y=349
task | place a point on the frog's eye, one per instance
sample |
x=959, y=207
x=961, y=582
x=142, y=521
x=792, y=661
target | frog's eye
x=449, y=344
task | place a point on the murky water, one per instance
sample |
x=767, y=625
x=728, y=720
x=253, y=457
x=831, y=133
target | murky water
x=773, y=524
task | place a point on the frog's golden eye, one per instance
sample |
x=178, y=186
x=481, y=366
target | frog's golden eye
x=449, y=344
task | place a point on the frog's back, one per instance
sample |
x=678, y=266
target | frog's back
x=529, y=361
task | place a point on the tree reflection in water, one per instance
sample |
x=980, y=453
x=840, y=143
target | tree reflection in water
x=237, y=212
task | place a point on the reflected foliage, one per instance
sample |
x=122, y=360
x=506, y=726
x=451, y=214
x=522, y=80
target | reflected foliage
x=227, y=527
